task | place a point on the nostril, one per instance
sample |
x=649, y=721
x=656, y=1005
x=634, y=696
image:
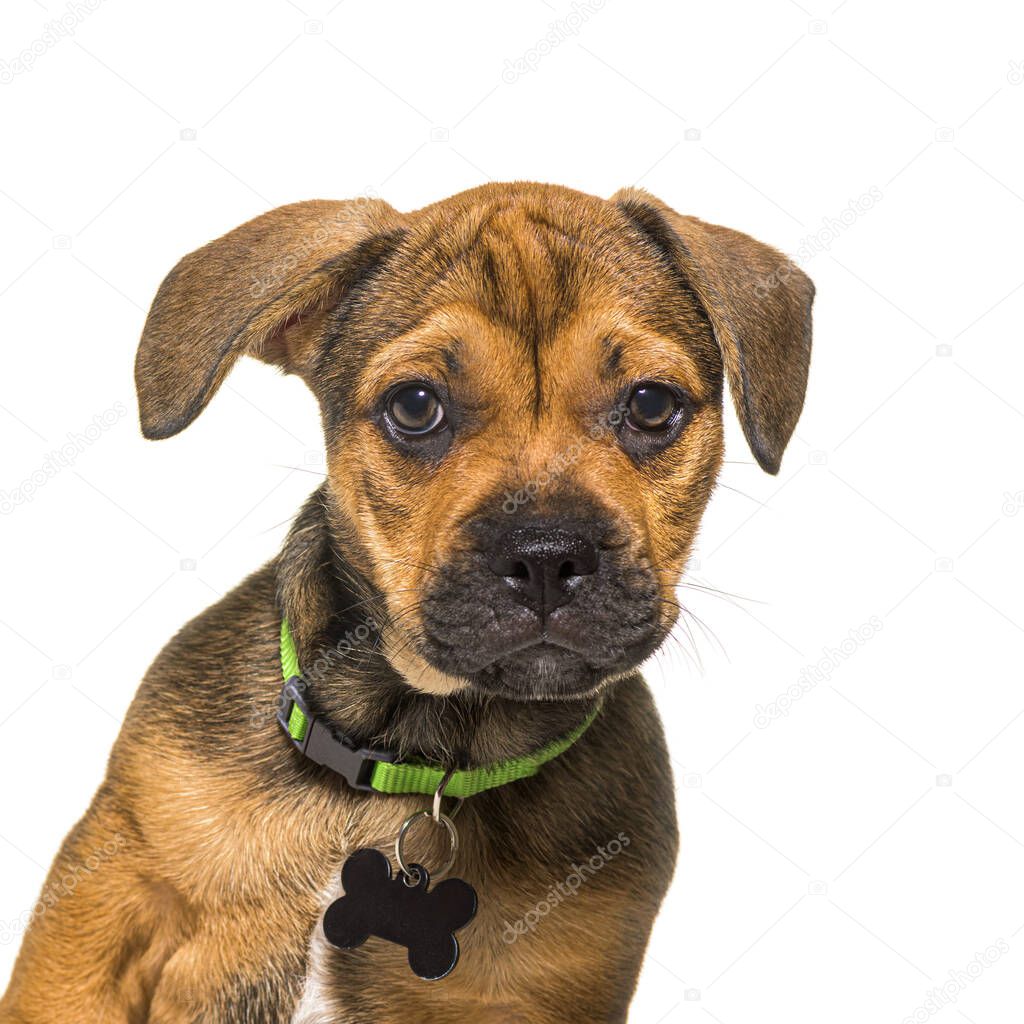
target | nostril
x=509, y=566
x=581, y=562
x=544, y=566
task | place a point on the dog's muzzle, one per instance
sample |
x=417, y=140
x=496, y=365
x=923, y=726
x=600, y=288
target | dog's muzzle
x=547, y=606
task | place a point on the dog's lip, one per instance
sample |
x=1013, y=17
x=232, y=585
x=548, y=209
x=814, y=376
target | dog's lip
x=550, y=635
x=554, y=641
x=481, y=671
x=542, y=639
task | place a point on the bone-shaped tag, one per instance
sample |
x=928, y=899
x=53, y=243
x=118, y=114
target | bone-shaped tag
x=424, y=922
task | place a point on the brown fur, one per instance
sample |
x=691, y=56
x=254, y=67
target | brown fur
x=537, y=304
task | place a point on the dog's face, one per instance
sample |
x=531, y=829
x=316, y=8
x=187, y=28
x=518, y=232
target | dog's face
x=521, y=392
x=530, y=439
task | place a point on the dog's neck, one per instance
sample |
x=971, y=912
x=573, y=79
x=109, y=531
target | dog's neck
x=337, y=616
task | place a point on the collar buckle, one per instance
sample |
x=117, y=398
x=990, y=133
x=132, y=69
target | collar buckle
x=317, y=741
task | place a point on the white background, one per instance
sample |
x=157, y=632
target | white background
x=837, y=862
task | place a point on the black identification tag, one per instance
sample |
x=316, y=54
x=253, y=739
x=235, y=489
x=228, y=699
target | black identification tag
x=401, y=910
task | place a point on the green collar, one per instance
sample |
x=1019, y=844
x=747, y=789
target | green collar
x=377, y=770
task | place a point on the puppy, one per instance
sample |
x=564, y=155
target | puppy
x=521, y=394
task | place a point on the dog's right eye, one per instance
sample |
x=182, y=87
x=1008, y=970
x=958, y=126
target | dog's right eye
x=415, y=409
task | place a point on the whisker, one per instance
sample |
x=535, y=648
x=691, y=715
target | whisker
x=742, y=494
x=411, y=565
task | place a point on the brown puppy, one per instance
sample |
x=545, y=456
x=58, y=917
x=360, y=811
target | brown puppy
x=521, y=391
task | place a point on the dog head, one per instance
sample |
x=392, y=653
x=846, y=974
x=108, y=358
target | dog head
x=521, y=392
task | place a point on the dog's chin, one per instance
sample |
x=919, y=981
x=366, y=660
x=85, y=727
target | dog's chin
x=541, y=672
x=530, y=671
x=567, y=660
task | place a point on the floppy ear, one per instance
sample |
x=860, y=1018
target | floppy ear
x=759, y=306
x=248, y=293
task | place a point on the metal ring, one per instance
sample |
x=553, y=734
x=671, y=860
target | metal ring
x=453, y=838
x=439, y=794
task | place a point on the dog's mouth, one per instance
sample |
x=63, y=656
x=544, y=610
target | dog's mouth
x=539, y=607
x=509, y=650
x=548, y=670
x=542, y=667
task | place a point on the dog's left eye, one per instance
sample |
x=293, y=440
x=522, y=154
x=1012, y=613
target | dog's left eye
x=651, y=407
x=415, y=409
x=653, y=416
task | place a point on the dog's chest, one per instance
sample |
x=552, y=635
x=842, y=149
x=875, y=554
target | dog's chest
x=317, y=1004
x=501, y=953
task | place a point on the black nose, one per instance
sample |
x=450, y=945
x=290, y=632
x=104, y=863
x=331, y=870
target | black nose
x=543, y=565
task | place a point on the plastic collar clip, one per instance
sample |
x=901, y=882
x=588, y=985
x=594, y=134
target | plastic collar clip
x=321, y=744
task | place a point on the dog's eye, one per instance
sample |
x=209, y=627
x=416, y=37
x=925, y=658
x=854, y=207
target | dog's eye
x=651, y=407
x=651, y=417
x=415, y=409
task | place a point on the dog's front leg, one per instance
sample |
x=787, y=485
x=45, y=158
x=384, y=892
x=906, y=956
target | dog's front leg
x=100, y=931
x=244, y=961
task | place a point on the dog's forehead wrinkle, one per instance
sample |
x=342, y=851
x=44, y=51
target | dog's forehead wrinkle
x=612, y=355
x=515, y=282
x=504, y=249
x=451, y=355
x=525, y=261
